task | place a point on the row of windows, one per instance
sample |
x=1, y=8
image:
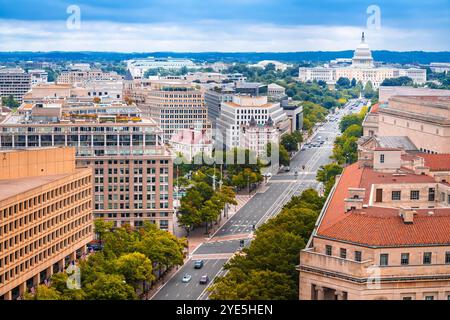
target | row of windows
x=135, y=162
x=28, y=217
x=404, y=258
x=29, y=233
x=35, y=201
x=42, y=241
x=384, y=257
x=135, y=215
x=396, y=195
x=45, y=254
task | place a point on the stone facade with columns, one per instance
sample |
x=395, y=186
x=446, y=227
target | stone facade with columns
x=383, y=232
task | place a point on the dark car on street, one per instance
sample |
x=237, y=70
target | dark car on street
x=198, y=264
x=204, y=279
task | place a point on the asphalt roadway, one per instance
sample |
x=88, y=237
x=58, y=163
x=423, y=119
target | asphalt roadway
x=262, y=206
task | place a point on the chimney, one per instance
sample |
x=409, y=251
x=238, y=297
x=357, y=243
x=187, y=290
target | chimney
x=407, y=215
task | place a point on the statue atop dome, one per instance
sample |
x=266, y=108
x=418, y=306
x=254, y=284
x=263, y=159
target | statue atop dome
x=362, y=57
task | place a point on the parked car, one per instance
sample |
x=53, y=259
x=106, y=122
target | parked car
x=186, y=278
x=94, y=247
x=286, y=169
x=204, y=279
x=198, y=264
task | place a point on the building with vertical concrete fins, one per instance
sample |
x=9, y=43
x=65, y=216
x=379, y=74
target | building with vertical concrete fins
x=45, y=216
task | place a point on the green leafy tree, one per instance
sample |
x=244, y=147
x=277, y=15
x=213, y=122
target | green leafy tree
x=328, y=171
x=284, y=158
x=368, y=90
x=110, y=287
x=354, y=130
x=136, y=268
x=343, y=82
x=255, y=285
x=267, y=268
x=349, y=120
x=43, y=292
x=10, y=102
x=290, y=142
x=101, y=227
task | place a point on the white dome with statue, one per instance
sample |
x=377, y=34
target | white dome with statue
x=362, y=57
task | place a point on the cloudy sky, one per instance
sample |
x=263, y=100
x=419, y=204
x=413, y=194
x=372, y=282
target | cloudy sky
x=223, y=25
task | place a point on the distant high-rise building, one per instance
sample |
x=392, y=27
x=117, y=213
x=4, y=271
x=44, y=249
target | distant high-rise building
x=38, y=76
x=175, y=105
x=213, y=101
x=133, y=170
x=45, y=216
x=14, y=82
x=238, y=113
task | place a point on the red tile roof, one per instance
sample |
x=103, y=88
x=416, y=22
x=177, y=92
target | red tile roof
x=377, y=226
x=374, y=108
x=380, y=226
x=436, y=162
x=350, y=178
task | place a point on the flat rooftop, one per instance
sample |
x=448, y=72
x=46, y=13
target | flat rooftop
x=12, y=187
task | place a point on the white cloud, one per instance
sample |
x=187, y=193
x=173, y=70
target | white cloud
x=225, y=36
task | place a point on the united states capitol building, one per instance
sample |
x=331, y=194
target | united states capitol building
x=362, y=68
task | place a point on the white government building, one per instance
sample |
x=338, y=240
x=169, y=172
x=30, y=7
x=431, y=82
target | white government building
x=138, y=67
x=361, y=69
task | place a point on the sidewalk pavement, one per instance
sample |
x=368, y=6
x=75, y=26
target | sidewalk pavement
x=197, y=237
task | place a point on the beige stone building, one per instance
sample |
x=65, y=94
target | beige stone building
x=421, y=114
x=383, y=232
x=133, y=170
x=80, y=77
x=256, y=137
x=174, y=104
x=424, y=119
x=45, y=216
x=362, y=69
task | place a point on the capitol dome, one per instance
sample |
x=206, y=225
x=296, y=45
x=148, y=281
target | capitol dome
x=362, y=57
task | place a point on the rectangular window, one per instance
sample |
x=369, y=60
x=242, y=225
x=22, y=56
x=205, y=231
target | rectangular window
x=343, y=253
x=405, y=258
x=381, y=158
x=431, y=194
x=328, y=250
x=384, y=259
x=415, y=194
x=407, y=298
x=447, y=257
x=427, y=258
x=379, y=195
x=429, y=297
x=358, y=256
x=396, y=195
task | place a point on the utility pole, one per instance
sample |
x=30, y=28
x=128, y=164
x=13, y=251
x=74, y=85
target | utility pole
x=214, y=178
